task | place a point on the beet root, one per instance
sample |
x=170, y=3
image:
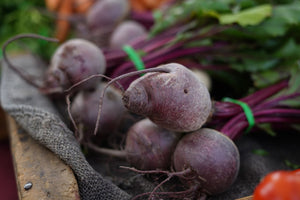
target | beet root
x=177, y=100
x=84, y=110
x=126, y=32
x=210, y=155
x=73, y=61
x=105, y=15
x=149, y=147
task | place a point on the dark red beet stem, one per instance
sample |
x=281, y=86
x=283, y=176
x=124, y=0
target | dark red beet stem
x=269, y=110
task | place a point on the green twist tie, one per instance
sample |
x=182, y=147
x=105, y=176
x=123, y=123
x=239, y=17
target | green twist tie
x=247, y=110
x=134, y=57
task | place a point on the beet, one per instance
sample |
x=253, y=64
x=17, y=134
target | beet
x=104, y=15
x=176, y=100
x=150, y=147
x=84, y=111
x=213, y=158
x=126, y=32
x=73, y=61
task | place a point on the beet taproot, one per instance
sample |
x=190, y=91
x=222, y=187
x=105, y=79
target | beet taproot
x=176, y=100
x=211, y=156
x=104, y=15
x=150, y=147
x=125, y=33
x=73, y=61
x=84, y=110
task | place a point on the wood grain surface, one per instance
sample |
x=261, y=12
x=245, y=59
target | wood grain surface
x=34, y=164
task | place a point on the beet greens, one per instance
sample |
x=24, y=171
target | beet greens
x=247, y=40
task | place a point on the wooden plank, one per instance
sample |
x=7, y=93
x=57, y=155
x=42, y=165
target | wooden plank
x=246, y=198
x=34, y=164
x=3, y=125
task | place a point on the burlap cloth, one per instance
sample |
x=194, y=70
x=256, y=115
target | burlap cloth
x=98, y=176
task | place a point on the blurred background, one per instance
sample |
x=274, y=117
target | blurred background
x=29, y=16
x=18, y=16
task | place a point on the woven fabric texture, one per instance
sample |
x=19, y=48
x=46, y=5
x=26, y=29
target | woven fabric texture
x=36, y=114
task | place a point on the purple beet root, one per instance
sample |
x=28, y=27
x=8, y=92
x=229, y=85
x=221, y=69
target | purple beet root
x=149, y=147
x=73, y=61
x=176, y=100
x=126, y=32
x=212, y=157
x=104, y=15
x=84, y=110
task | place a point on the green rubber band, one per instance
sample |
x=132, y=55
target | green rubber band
x=134, y=57
x=247, y=110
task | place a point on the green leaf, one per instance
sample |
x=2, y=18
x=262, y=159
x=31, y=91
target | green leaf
x=186, y=10
x=288, y=50
x=267, y=128
x=283, y=18
x=265, y=78
x=294, y=83
x=294, y=87
x=199, y=43
x=250, y=16
x=255, y=65
x=291, y=165
x=260, y=152
x=292, y=71
x=19, y=17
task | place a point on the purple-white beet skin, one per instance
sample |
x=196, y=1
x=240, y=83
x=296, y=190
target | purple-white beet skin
x=210, y=155
x=73, y=61
x=176, y=100
x=149, y=147
x=104, y=15
x=126, y=32
x=84, y=110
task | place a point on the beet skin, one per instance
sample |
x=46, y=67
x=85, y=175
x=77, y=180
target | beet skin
x=176, y=100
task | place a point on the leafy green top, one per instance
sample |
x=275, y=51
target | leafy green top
x=262, y=36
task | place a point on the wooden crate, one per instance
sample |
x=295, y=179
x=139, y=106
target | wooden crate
x=3, y=125
x=34, y=164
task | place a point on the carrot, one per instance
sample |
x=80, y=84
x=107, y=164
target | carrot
x=137, y=5
x=62, y=24
x=150, y=4
x=146, y=5
x=82, y=6
x=53, y=4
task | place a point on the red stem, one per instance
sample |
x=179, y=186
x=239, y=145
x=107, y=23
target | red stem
x=262, y=94
x=227, y=109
